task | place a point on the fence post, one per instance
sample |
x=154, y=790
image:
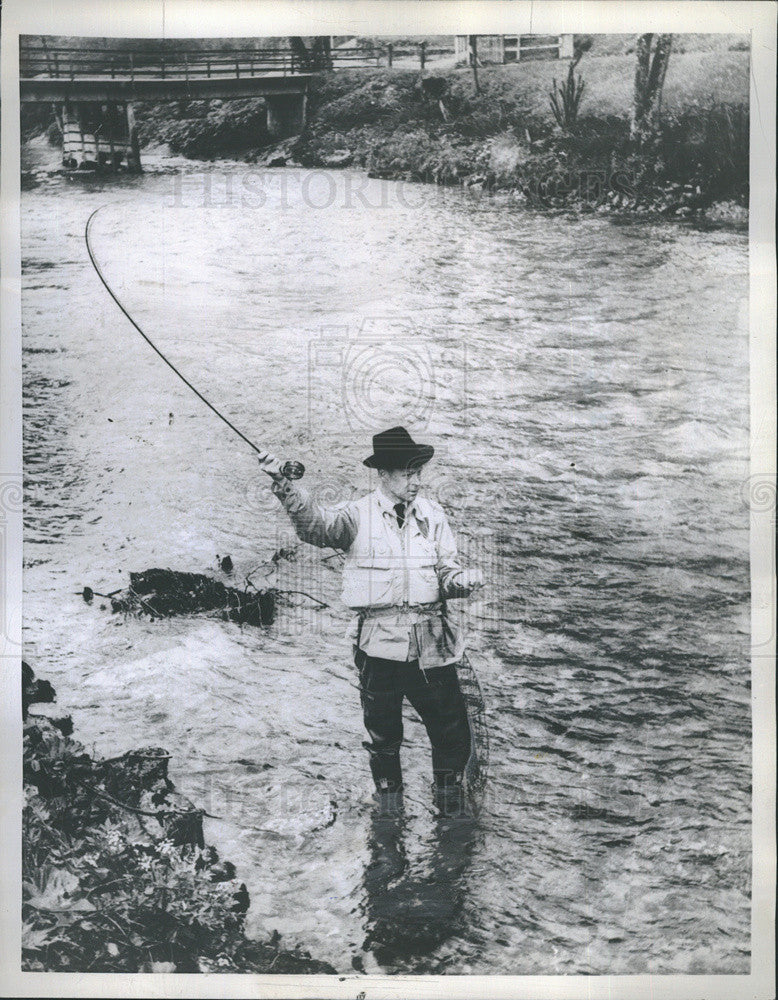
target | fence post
x=389, y=55
x=132, y=67
x=237, y=68
x=186, y=67
x=566, y=50
x=422, y=53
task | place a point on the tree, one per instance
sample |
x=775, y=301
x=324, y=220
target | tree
x=649, y=79
x=317, y=57
x=472, y=42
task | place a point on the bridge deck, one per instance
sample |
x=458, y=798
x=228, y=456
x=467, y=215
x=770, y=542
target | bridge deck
x=98, y=74
x=171, y=88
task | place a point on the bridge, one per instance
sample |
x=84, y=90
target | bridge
x=94, y=90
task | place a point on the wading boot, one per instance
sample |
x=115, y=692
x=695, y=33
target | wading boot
x=389, y=798
x=449, y=796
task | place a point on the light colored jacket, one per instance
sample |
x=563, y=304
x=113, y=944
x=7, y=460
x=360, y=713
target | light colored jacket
x=397, y=579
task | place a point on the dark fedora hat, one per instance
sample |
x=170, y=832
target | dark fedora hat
x=396, y=449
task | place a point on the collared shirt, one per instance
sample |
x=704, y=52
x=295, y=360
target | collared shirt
x=398, y=629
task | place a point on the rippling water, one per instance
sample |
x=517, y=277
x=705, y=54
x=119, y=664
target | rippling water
x=586, y=387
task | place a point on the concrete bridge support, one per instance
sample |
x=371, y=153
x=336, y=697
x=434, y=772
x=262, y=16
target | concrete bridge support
x=133, y=153
x=285, y=114
x=99, y=136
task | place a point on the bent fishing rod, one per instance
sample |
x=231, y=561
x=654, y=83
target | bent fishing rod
x=289, y=470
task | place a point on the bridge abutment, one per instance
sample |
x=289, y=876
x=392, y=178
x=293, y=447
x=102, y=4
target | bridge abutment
x=99, y=136
x=133, y=155
x=286, y=114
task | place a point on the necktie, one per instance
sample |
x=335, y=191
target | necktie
x=399, y=509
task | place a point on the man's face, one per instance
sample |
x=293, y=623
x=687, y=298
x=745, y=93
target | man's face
x=402, y=484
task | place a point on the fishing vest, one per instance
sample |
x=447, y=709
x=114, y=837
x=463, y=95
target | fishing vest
x=386, y=567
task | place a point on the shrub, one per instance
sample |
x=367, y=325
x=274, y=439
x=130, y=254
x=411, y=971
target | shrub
x=565, y=99
x=99, y=900
x=708, y=148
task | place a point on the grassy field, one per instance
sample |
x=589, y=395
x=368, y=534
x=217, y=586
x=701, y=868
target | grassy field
x=693, y=79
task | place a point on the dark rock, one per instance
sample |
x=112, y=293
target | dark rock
x=434, y=87
x=242, y=899
x=34, y=691
x=222, y=872
x=64, y=724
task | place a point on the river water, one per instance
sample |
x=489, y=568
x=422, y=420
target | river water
x=585, y=384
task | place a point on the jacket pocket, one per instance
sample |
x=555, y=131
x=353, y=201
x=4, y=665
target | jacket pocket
x=368, y=581
x=378, y=556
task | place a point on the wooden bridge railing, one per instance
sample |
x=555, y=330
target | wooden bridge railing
x=70, y=63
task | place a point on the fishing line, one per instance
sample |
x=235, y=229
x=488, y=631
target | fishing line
x=151, y=343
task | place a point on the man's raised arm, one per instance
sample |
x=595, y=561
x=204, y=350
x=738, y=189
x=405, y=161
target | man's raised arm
x=325, y=527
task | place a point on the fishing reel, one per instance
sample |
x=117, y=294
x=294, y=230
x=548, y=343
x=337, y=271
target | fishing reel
x=289, y=470
x=293, y=470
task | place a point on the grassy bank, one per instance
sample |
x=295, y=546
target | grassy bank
x=115, y=874
x=505, y=138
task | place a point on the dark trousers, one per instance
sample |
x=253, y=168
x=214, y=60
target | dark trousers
x=435, y=695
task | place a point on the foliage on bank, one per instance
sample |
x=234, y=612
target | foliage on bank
x=503, y=138
x=698, y=157
x=115, y=874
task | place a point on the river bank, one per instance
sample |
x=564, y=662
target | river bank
x=116, y=876
x=395, y=125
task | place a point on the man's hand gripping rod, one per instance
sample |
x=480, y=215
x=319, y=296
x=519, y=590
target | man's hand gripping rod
x=273, y=468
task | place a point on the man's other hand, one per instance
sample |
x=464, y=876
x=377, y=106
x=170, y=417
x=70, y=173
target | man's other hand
x=470, y=580
x=270, y=464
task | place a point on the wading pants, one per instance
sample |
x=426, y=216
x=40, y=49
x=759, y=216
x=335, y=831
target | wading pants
x=435, y=695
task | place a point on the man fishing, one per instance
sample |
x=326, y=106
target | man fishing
x=401, y=565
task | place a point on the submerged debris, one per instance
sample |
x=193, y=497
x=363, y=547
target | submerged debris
x=162, y=593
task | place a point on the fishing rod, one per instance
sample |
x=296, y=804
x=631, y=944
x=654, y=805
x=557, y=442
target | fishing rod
x=289, y=470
